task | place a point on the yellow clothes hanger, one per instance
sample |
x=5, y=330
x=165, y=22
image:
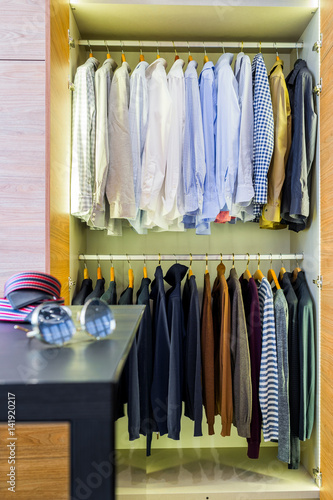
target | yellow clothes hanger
x=145, y=273
x=190, y=272
x=112, y=271
x=85, y=271
x=282, y=270
x=206, y=59
x=258, y=275
x=271, y=276
x=130, y=275
x=206, y=271
x=190, y=58
x=141, y=57
x=247, y=275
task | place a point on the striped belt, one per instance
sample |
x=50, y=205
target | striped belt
x=24, y=291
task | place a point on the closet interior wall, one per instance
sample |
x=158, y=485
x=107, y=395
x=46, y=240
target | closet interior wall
x=240, y=238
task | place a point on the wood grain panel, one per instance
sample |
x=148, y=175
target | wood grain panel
x=22, y=166
x=59, y=106
x=22, y=29
x=42, y=456
x=326, y=200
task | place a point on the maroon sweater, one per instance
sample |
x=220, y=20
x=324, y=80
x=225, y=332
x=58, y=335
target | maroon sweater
x=252, y=313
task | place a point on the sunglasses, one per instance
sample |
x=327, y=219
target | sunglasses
x=54, y=325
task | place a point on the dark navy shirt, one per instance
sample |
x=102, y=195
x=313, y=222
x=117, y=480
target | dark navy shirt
x=295, y=205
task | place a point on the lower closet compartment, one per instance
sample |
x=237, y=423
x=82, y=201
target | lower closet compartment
x=208, y=467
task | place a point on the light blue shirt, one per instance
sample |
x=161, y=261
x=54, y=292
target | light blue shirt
x=210, y=207
x=227, y=130
x=194, y=166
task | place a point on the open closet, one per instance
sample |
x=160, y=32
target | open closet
x=209, y=467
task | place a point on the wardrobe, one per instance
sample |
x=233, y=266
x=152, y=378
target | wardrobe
x=210, y=467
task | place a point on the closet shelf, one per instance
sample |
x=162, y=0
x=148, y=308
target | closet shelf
x=186, y=257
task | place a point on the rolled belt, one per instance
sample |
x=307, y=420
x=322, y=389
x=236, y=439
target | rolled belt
x=24, y=291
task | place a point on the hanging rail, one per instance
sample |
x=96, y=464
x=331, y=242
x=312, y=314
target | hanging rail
x=191, y=45
x=186, y=257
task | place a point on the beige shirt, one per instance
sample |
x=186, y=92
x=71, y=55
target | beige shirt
x=282, y=141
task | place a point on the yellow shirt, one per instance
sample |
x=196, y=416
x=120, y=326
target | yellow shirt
x=271, y=217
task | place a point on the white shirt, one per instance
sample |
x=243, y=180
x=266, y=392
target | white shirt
x=156, y=146
x=138, y=120
x=227, y=130
x=103, y=78
x=173, y=175
x=83, y=139
x=119, y=184
x=244, y=191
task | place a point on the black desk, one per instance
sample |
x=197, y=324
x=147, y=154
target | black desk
x=74, y=383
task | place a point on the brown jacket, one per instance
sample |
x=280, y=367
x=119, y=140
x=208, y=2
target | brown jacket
x=223, y=320
x=207, y=355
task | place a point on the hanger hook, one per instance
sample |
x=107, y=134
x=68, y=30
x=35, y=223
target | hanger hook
x=221, y=257
x=175, y=257
x=129, y=262
x=297, y=264
x=258, y=260
x=107, y=48
x=248, y=260
x=260, y=47
x=174, y=46
x=111, y=260
x=188, y=46
x=206, y=261
x=233, y=260
x=203, y=43
x=271, y=260
x=159, y=259
x=276, y=50
x=144, y=260
x=157, y=49
x=90, y=50
x=222, y=45
x=140, y=45
x=98, y=261
x=191, y=260
x=85, y=262
x=296, y=46
x=242, y=46
x=281, y=260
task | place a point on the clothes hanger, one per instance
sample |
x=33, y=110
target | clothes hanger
x=221, y=266
x=247, y=275
x=206, y=271
x=259, y=47
x=277, y=54
x=258, y=275
x=282, y=270
x=190, y=58
x=111, y=271
x=85, y=271
x=190, y=272
x=176, y=56
x=233, y=261
x=205, y=56
x=108, y=56
x=141, y=57
x=296, y=270
x=157, y=51
x=130, y=274
x=223, y=49
x=145, y=273
x=271, y=276
x=123, y=58
x=90, y=50
x=242, y=47
x=99, y=270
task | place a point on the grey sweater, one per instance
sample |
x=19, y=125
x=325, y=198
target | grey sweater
x=240, y=360
x=281, y=328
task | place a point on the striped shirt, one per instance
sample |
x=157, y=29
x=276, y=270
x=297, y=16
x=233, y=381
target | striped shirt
x=268, y=380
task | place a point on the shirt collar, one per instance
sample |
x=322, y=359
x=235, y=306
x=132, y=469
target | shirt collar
x=226, y=58
x=141, y=67
x=112, y=63
x=299, y=64
x=208, y=65
x=177, y=67
x=92, y=61
x=277, y=63
x=151, y=68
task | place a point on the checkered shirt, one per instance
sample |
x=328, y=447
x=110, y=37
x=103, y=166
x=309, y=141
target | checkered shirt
x=83, y=139
x=263, y=132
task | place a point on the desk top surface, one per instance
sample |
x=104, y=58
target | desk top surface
x=82, y=360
